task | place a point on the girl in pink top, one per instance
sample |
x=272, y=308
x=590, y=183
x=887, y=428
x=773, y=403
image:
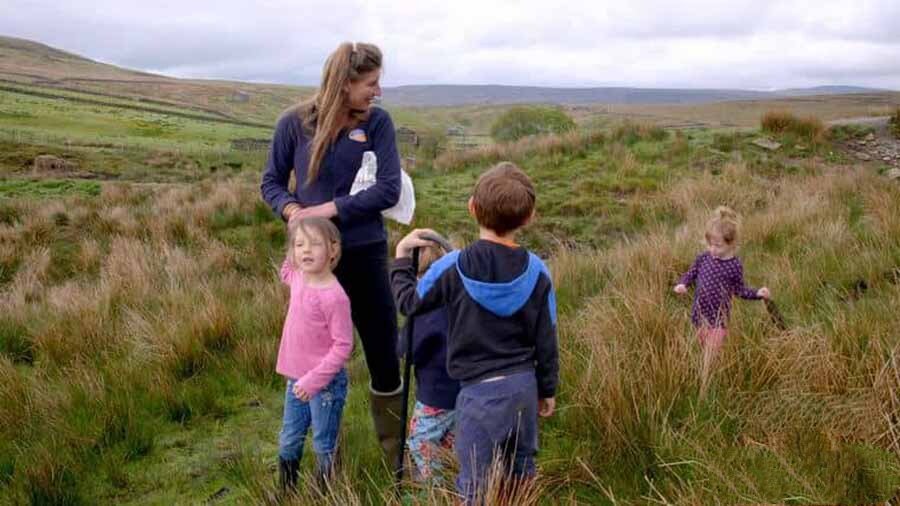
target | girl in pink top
x=315, y=344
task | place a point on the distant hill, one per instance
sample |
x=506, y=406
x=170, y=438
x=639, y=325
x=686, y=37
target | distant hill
x=456, y=95
x=27, y=62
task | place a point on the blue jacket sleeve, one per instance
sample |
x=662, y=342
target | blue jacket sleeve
x=274, y=187
x=386, y=190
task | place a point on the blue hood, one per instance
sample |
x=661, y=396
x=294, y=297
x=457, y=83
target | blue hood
x=502, y=299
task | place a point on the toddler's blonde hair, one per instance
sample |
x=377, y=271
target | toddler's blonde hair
x=724, y=223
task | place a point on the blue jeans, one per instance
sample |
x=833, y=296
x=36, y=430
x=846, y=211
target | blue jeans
x=322, y=412
x=496, y=418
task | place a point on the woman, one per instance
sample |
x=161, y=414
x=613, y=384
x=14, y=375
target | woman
x=322, y=140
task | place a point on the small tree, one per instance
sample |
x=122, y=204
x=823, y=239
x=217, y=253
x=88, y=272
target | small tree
x=523, y=121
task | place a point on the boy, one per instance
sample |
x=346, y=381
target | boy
x=502, y=341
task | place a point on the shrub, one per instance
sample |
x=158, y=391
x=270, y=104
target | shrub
x=520, y=122
x=809, y=128
x=630, y=132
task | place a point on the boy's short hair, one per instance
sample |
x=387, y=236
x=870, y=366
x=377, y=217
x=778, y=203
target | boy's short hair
x=503, y=198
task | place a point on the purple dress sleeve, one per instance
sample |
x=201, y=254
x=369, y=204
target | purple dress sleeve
x=691, y=275
x=740, y=288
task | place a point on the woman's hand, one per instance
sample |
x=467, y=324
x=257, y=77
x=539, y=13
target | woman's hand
x=290, y=210
x=326, y=210
x=763, y=293
x=680, y=289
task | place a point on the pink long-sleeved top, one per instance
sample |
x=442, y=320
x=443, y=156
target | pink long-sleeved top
x=318, y=334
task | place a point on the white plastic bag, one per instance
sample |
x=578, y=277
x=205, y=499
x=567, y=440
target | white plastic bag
x=365, y=177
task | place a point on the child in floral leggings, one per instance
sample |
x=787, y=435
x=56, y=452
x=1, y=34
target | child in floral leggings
x=434, y=417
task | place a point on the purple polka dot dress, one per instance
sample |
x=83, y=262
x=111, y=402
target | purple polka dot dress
x=716, y=280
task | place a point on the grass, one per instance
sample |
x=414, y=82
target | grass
x=43, y=188
x=140, y=323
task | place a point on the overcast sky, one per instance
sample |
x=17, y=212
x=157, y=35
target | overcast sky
x=758, y=44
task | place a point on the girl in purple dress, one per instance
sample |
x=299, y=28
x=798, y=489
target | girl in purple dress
x=717, y=275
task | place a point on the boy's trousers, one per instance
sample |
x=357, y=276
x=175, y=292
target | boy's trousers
x=496, y=416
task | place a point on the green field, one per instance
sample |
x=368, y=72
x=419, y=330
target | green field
x=140, y=313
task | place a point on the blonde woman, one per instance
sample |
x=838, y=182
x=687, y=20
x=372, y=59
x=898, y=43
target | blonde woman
x=322, y=141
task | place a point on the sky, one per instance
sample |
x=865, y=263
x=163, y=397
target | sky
x=759, y=44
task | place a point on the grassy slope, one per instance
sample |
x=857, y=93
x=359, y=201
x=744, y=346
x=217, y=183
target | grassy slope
x=146, y=320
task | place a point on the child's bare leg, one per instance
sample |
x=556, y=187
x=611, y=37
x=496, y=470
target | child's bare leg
x=711, y=340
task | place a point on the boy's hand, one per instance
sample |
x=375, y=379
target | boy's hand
x=680, y=289
x=300, y=393
x=546, y=406
x=412, y=241
x=763, y=293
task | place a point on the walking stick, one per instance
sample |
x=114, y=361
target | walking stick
x=775, y=314
x=407, y=364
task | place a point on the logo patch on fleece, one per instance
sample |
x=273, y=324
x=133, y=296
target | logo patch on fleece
x=358, y=135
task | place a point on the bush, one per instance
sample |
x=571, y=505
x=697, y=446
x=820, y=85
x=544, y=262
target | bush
x=520, y=122
x=630, y=133
x=809, y=128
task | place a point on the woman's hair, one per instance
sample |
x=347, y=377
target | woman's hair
x=322, y=114
x=724, y=223
x=324, y=228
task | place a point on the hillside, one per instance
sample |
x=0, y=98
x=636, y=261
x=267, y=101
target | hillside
x=30, y=62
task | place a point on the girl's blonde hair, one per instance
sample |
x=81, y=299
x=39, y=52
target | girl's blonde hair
x=725, y=224
x=316, y=225
x=323, y=114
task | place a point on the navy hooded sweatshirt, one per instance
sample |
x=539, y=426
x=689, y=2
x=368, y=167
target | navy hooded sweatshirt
x=359, y=216
x=501, y=307
x=434, y=386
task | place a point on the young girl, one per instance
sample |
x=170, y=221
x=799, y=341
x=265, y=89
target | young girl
x=315, y=344
x=718, y=274
x=434, y=415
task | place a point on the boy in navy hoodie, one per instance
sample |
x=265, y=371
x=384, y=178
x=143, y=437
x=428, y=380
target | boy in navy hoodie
x=502, y=343
x=434, y=416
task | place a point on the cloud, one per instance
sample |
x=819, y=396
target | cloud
x=693, y=43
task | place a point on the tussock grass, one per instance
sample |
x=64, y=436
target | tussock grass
x=808, y=129
x=147, y=311
x=569, y=143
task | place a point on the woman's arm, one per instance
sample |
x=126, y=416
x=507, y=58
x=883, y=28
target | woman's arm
x=274, y=186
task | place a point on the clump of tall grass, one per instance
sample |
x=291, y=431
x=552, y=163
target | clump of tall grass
x=631, y=132
x=570, y=143
x=809, y=129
